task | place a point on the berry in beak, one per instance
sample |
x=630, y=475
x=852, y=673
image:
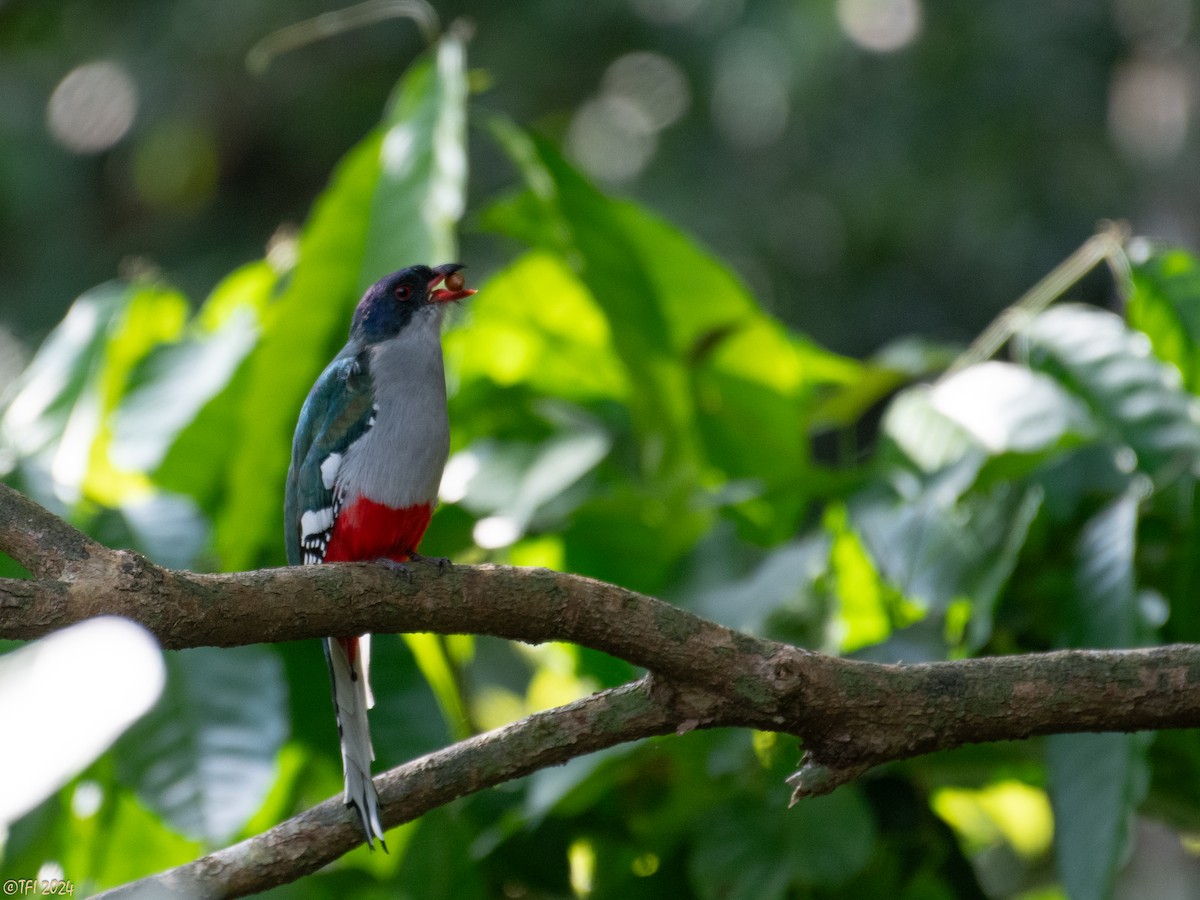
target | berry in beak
x=453, y=284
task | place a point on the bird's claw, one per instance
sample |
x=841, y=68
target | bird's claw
x=441, y=562
x=397, y=568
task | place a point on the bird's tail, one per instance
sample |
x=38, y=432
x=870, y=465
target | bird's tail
x=349, y=665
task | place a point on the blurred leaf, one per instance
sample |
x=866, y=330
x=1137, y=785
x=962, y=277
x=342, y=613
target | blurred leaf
x=1007, y=810
x=758, y=381
x=928, y=437
x=1138, y=399
x=440, y=671
x=1105, y=581
x=129, y=824
x=1096, y=782
x=863, y=616
x=204, y=758
x=100, y=675
x=710, y=367
x=574, y=786
x=782, y=579
x=1174, y=760
x=1077, y=482
x=173, y=383
x=535, y=323
x=632, y=537
x=1165, y=304
x=1176, y=568
x=1008, y=409
x=935, y=547
x=88, y=828
x=433, y=861
x=901, y=361
x=175, y=380
x=594, y=235
x=62, y=370
x=759, y=852
x=167, y=528
x=196, y=463
x=1001, y=419
x=753, y=378
x=410, y=173
x=60, y=418
x=671, y=308
x=405, y=722
x=512, y=482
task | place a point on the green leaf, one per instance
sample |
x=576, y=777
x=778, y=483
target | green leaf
x=433, y=860
x=561, y=348
x=204, y=758
x=899, y=362
x=758, y=382
x=929, y=438
x=633, y=536
x=709, y=366
x=433, y=659
x=406, y=721
x=1106, y=599
x=1008, y=419
x=575, y=786
x=419, y=198
x=782, y=580
x=175, y=380
x=594, y=232
x=1009, y=409
x=1165, y=304
x=936, y=546
x=1096, y=782
x=92, y=846
x=165, y=527
x=410, y=173
x=758, y=851
x=197, y=462
x=513, y=483
x=62, y=370
x=862, y=618
x=1136, y=399
x=675, y=313
x=60, y=419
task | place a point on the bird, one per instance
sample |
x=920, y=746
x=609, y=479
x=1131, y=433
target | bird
x=367, y=458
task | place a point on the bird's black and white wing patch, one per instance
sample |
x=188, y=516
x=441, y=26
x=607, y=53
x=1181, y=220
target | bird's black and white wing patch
x=316, y=527
x=339, y=410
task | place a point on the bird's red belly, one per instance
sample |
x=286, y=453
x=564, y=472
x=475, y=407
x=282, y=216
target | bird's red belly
x=367, y=530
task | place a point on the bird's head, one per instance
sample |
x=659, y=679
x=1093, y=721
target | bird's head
x=417, y=292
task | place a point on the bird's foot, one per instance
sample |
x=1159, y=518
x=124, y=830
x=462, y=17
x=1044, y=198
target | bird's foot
x=440, y=561
x=396, y=568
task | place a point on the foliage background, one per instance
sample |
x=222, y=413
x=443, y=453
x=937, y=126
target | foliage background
x=625, y=408
x=861, y=194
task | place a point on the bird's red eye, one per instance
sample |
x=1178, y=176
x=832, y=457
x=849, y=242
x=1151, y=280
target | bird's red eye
x=403, y=292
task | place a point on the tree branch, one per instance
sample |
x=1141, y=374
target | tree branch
x=39, y=540
x=316, y=837
x=850, y=715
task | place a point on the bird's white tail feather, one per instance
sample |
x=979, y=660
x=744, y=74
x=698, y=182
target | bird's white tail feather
x=351, y=699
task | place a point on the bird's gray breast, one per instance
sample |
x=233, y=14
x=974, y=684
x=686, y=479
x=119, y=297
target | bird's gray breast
x=399, y=460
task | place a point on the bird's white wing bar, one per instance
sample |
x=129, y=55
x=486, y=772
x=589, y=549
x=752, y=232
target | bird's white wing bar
x=329, y=469
x=316, y=525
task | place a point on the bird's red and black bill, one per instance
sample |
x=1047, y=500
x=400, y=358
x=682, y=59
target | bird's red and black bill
x=453, y=284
